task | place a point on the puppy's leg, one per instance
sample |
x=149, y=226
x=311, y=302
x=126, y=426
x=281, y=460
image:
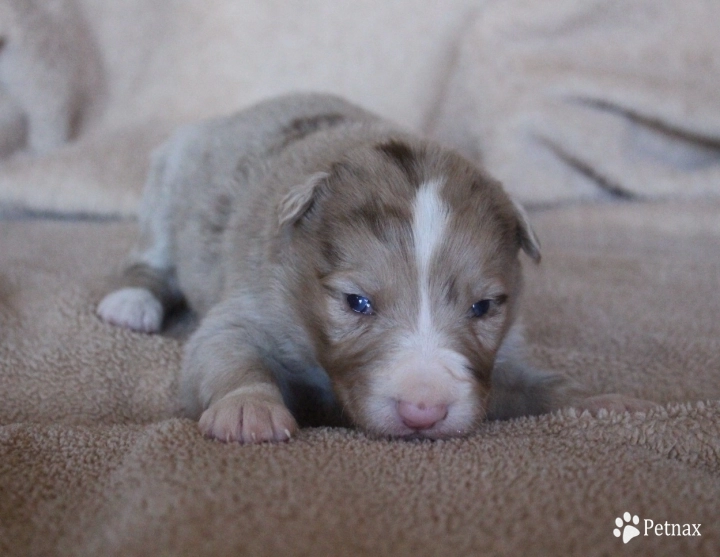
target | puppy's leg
x=228, y=384
x=520, y=390
x=148, y=287
x=147, y=293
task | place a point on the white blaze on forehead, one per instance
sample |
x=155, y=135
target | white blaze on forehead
x=430, y=220
x=423, y=369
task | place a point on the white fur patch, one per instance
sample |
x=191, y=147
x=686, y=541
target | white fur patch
x=132, y=308
x=430, y=218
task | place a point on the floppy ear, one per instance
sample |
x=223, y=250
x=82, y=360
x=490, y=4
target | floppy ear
x=526, y=235
x=298, y=200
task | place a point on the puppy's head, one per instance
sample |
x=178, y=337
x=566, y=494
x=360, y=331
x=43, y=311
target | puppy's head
x=407, y=279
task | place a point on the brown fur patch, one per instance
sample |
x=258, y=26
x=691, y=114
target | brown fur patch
x=299, y=128
x=404, y=157
x=157, y=281
x=215, y=221
x=390, y=225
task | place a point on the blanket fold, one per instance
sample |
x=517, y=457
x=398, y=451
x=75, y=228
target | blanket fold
x=568, y=101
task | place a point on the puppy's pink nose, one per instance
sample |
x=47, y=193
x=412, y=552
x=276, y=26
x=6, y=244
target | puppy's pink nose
x=421, y=415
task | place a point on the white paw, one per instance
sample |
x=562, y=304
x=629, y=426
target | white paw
x=248, y=417
x=132, y=308
x=614, y=403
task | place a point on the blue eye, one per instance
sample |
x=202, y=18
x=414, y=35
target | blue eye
x=479, y=309
x=359, y=304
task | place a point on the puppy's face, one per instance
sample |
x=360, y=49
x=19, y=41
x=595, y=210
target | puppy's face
x=411, y=262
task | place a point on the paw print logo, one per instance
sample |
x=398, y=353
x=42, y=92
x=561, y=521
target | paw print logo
x=628, y=531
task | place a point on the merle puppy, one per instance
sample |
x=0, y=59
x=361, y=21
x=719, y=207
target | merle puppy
x=338, y=264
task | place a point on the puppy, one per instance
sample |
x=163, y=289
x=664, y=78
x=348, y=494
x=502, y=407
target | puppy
x=339, y=266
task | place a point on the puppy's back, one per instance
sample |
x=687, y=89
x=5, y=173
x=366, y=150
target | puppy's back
x=216, y=171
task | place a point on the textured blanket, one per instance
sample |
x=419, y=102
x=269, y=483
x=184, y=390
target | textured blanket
x=94, y=462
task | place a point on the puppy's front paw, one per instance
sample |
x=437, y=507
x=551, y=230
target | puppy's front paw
x=248, y=417
x=614, y=403
x=133, y=308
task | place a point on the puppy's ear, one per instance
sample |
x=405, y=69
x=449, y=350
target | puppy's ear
x=299, y=199
x=526, y=235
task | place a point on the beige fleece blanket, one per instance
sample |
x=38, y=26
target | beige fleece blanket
x=94, y=462
x=563, y=100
